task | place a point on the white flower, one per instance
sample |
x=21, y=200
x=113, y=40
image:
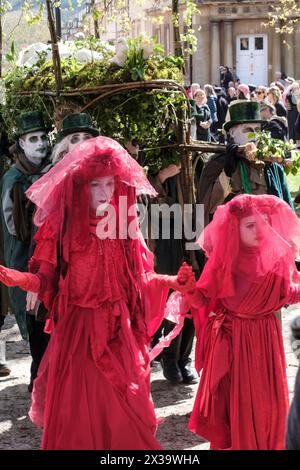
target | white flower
x=85, y=55
x=121, y=53
x=119, y=59
x=121, y=46
x=147, y=47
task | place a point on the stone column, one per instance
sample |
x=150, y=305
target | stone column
x=215, y=52
x=288, y=53
x=297, y=53
x=228, y=44
x=276, y=56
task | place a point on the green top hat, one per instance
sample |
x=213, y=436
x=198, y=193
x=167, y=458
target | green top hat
x=77, y=122
x=32, y=121
x=240, y=113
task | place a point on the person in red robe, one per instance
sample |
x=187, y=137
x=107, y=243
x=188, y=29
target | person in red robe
x=242, y=399
x=94, y=273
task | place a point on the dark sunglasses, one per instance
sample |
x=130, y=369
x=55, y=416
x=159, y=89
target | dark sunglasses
x=259, y=92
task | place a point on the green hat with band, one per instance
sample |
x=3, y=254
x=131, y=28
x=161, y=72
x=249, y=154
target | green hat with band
x=77, y=122
x=243, y=112
x=31, y=121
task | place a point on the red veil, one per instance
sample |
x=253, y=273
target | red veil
x=62, y=195
x=242, y=398
x=278, y=231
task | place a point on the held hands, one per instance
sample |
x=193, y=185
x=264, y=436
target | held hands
x=185, y=281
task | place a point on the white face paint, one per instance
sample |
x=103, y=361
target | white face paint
x=35, y=146
x=240, y=133
x=78, y=137
x=251, y=233
x=101, y=192
x=248, y=231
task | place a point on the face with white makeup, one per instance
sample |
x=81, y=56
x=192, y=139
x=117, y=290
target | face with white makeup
x=250, y=230
x=101, y=193
x=239, y=134
x=34, y=146
x=67, y=144
x=78, y=137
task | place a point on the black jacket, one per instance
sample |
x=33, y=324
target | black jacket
x=278, y=128
x=280, y=109
x=293, y=427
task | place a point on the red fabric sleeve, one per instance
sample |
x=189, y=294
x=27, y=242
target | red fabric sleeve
x=294, y=294
x=44, y=263
x=156, y=294
x=26, y=281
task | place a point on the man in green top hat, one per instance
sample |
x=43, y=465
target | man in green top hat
x=76, y=128
x=228, y=174
x=30, y=153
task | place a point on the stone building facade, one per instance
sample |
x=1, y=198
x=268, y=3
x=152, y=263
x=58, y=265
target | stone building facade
x=229, y=33
x=233, y=33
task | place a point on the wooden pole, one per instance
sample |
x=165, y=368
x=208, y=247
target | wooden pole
x=55, y=50
x=1, y=39
x=176, y=32
x=95, y=19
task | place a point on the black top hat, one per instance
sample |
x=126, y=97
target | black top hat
x=243, y=112
x=77, y=122
x=31, y=121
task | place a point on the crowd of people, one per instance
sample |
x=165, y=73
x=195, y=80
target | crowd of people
x=280, y=105
x=93, y=307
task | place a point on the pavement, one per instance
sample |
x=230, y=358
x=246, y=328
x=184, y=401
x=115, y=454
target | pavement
x=173, y=403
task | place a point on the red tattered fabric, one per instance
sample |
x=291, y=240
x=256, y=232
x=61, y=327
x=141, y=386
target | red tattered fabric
x=242, y=399
x=93, y=385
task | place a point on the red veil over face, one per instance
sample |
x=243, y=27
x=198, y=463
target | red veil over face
x=94, y=158
x=62, y=195
x=278, y=235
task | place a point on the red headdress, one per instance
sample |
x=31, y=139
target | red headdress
x=278, y=232
x=62, y=195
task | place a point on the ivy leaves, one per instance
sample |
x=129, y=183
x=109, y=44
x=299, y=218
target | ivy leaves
x=150, y=117
x=269, y=148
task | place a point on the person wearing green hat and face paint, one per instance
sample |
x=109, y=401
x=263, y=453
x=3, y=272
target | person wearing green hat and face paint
x=30, y=153
x=226, y=175
x=76, y=128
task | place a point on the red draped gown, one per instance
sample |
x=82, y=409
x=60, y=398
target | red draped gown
x=93, y=384
x=242, y=399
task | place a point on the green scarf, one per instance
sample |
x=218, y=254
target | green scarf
x=245, y=177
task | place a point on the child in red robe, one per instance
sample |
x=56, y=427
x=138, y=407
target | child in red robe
x=242, y=399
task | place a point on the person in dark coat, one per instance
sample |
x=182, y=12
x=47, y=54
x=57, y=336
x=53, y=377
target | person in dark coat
x=291, y=104
x=30, y=154
x=169, y=255
x=226, y=77
x=228, y=174
x=222, y=108
x=201, y=113
x=276, y=125
x=293, y=424
x=5, y=163
x=274, y=95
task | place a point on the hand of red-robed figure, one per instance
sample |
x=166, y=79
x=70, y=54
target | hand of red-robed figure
x=13, y=278
x=186, y=279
